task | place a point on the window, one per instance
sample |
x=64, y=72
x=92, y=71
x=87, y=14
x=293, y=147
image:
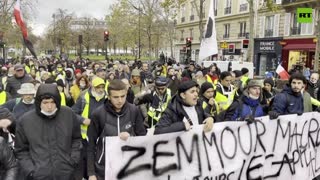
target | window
x=182, y=12
x=191, y=32
x=296, y=27
x=227, y=9
x=226, y=31
x=243, y=26
x=181, y=37
x=269, y=26
x=215, y=5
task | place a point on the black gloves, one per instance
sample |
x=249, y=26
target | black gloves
x=318, y=109
x=249, y=119
x=273, y=115
x=30, y=176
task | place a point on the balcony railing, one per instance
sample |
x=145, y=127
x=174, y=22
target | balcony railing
x=183, y=19
x=243, y=7
x=191, y=17
x=242, y=34
x=268, y=33
x=215, y=12
x=227, y=10
x=226, y=36
x=295, y=30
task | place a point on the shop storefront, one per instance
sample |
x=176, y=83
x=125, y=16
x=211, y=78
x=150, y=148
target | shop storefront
x=267, y=54
x=298, y=53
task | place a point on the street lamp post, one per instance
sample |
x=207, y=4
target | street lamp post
x=54, y=33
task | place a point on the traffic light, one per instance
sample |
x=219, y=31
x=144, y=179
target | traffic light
x=106, y=35
x=80, y=39
x=188, y=41
x=2, y=44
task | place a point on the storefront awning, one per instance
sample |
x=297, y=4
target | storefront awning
x=300, y=47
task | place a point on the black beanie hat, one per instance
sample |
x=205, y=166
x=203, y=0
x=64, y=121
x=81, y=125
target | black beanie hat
x=244, y=70
x=237, y=73
x=205, y=86
x=60, y=83
x=185, y=85
x=269, y=81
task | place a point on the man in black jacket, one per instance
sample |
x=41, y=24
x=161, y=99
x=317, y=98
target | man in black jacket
x=116, y=118
x=14, y=82
x=48, y=140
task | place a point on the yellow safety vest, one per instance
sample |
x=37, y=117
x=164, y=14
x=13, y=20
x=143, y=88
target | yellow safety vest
x=244, y=80
x=205, y=104
x=27, y=68
x=85, y=114
x=3, y=97
x=225, y=99
x=152, y=112
x=63, y=99
x=107, y=85
x=210, y=81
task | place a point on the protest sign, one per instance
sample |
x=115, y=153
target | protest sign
x=287, y=148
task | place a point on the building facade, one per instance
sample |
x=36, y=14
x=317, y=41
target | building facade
x=278, y=37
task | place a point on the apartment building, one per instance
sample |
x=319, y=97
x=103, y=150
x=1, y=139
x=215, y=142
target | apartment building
x=232, y=27
x=278, y=37
x=299, y=39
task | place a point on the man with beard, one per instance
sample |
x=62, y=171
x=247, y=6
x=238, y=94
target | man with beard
x=85, y=105
x=48, y=140
x=14, y=82
x=290, y=100
x=116, y=117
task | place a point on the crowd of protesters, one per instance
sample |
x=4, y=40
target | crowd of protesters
x=55, y=114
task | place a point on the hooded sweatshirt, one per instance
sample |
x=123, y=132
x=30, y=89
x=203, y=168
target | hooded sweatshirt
x=48, y=146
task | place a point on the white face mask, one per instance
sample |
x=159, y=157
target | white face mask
x=31, y=102
x=82, y=85
x=49, y=113
x=253, y=97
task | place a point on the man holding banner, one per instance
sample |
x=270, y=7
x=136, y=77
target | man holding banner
x=116, y=117
x=184, y=111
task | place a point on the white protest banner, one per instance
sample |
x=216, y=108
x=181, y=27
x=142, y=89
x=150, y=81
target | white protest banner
x=287, y=148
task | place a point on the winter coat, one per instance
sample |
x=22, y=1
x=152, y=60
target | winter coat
x=17, y=107
x=313, y=89
x=288, y=102
x=173, y=84
x=243, y=108
x=6, y=114
x=48, y=146
x=14, y=84
x=78, y=107
x=8, y=163
x=172, y=118
x=107, y=122
x=307, y=105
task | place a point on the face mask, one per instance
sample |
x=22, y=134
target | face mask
x=59, y=69
x=25, y=102
x=47, y=113
x=253, y=97
x=82, y=86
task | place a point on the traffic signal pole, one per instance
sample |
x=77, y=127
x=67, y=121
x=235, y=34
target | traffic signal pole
x=106, y=39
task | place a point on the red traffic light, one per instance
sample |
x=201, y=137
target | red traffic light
x=106, y=35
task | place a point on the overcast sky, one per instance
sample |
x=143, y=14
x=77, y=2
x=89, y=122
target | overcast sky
x=45, y=8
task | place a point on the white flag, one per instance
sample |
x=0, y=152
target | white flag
x=209, y=45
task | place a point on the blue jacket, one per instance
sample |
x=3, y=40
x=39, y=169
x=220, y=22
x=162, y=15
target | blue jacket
x=243, y=108
x=288, y=102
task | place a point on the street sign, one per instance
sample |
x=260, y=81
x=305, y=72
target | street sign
x=224, y=45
